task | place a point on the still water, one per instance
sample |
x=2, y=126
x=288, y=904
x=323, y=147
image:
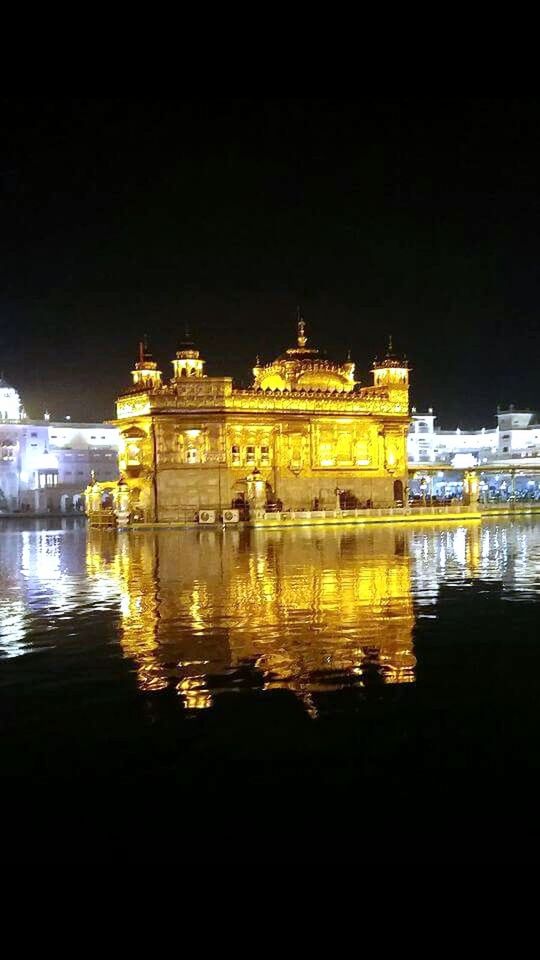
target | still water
x=341, y=662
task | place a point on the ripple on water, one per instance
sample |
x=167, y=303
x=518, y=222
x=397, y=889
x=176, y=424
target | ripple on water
x=202, y=612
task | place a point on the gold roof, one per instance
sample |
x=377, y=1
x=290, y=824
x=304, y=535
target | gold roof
x=302, y=368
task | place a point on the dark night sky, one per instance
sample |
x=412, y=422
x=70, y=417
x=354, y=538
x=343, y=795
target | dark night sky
x=417, y=217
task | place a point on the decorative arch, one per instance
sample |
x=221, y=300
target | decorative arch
x=134, y=433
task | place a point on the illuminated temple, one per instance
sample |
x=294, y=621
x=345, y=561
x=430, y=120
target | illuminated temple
x=304, y=436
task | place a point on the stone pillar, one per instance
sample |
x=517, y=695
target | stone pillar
x=256, y=490
x=122, y=503
x=471, y=488
x=95, y=499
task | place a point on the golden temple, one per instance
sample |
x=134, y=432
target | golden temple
x=304, y=436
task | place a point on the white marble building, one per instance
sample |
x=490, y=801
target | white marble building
x=517, y=435
x=45, y=465
x=513, y=444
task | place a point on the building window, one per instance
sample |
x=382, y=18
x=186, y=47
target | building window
x=265, y=455
x=133, y=455
x=235, y=452
x=250, y=454
x=47, y=479
x=192, y=455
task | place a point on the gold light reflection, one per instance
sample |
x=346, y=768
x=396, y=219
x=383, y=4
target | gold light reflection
x=302, y=610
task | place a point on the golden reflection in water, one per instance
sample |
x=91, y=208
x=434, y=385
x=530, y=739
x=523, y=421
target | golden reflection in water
x=304, y=610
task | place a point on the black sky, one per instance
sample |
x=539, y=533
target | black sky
x=419, y=217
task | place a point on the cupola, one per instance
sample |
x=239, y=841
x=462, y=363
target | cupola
x=392, y=371
x=187, y=362
x=146, y=373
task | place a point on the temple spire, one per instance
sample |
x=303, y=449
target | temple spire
x=301, y=326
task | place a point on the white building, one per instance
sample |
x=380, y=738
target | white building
x=513, y=444
x=45, y=465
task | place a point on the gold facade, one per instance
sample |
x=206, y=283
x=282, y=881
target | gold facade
x=305, y=426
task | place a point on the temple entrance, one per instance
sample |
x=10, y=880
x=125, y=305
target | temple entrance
x=238, y=502
x=107, y=500
x=348, y=500
x=398, y=492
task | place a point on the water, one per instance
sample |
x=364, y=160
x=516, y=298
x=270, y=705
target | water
x=302, y=676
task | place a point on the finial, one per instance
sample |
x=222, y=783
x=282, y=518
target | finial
x=389, y=344
x=301, y=326
x=257, y=361
x=141, y=350
x=348, y=356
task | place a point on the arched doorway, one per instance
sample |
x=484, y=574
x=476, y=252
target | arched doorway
x=398, y=492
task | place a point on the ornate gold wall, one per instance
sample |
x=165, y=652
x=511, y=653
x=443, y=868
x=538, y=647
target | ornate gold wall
x=192, y=459
x=190, y=444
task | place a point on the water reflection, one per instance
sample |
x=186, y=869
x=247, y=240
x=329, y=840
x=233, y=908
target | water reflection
x=303, y=610
x=204, y=611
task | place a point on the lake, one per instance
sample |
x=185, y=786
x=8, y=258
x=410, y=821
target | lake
x=268, y=694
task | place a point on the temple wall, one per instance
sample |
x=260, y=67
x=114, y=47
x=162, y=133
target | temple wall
x=184, y=491
x=203, y=461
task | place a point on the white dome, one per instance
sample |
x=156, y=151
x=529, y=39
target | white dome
x=10, y=402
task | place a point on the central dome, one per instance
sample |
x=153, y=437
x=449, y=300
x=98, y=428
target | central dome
x=302, y=368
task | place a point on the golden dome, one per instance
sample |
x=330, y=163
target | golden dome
x=302, y=368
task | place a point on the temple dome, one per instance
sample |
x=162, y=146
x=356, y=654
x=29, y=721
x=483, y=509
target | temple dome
x=303, y=368
x=10, y=402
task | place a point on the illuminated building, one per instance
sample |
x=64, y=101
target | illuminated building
x=304, y=435
x=517, y=434
x=46, y=465
x=513, y=447
x=11, y=407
